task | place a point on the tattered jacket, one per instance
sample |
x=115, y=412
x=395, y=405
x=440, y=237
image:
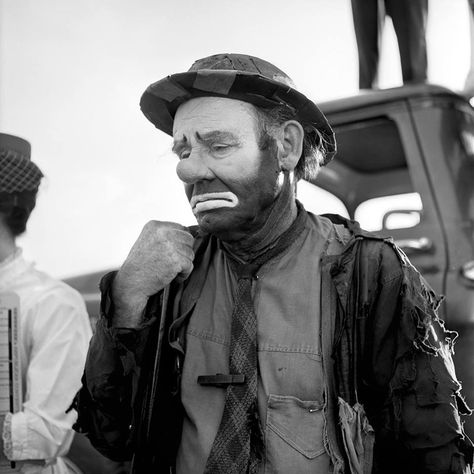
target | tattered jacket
x=392, y=398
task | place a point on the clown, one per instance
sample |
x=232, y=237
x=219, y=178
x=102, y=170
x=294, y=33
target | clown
x=266, y=339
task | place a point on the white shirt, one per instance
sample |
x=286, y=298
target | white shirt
x=55, y=333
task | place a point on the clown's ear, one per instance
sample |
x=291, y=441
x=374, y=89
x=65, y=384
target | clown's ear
x=290, y=144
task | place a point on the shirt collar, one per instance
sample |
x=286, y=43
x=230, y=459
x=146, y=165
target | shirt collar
x=11, y=267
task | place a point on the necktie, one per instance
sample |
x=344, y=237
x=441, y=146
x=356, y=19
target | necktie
x=238, y=446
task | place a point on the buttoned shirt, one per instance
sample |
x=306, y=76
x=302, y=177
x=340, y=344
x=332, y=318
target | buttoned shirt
x=54, y=337
x=291, y=384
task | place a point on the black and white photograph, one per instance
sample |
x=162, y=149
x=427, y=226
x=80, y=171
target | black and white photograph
x=236, y=237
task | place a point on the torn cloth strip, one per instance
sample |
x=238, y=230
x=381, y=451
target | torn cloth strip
x=358, y=437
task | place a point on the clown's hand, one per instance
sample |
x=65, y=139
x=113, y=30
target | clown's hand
x=162, y=252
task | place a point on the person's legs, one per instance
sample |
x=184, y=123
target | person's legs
x=469, y=84
x=366, y=25
x=409, y=21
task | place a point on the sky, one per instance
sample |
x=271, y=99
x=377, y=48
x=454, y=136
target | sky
x=72, y=73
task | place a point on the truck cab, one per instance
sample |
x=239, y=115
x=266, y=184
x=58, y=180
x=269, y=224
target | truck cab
x=405, y=168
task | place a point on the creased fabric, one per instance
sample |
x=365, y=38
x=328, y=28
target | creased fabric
x=415, y=416
x=238, y=445
x=358, y=437
x=55, y=332
x=393, y=355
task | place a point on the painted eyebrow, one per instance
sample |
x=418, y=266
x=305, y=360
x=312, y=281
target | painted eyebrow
x=214, y=135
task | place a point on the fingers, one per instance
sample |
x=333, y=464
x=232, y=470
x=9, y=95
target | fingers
x=185, y=253
x=163, y=251
x=180, y=231
x=184, y=250
x=177, y=244
x=182, y=243
x=184, y=274
x=168, y=231
x=183, y=239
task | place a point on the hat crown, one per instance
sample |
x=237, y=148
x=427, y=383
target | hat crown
x=14, y=145
x=243, y=63
x=17, y=172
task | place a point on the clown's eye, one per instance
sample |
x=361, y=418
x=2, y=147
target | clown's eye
x=220, y=148
x=184, y=154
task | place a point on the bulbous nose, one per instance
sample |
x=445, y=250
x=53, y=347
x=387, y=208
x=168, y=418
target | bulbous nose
x=194, y=168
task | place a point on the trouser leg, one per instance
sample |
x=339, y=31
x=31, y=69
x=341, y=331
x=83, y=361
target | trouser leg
x=469, y=82
x=366, y=19
x=409, y=21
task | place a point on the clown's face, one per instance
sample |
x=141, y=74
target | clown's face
x=230, y=182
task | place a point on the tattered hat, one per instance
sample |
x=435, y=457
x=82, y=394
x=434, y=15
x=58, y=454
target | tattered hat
x=235, y=76
x=17, y=172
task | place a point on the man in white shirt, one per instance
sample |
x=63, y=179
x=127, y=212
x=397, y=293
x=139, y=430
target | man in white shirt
x=54, y=329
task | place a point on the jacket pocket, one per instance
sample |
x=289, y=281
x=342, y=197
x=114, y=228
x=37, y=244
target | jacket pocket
x=294, y=436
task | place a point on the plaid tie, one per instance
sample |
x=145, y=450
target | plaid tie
x=238, y=446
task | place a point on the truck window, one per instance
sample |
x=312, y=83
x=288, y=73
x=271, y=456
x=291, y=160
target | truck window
x=461, y=164
x=319, y=201
x=401, y=211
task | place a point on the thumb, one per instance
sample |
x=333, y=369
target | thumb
x=184, y=273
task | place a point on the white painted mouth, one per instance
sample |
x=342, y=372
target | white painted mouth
x=209, y=201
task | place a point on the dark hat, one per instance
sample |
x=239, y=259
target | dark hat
x=235, y=76
x=17, y=172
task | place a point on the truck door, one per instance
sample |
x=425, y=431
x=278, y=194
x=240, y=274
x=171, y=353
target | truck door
x=445, y=130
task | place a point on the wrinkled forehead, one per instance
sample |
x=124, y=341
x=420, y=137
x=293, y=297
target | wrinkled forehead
x=204, y=114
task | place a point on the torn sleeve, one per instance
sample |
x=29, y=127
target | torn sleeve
x=420, y=402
